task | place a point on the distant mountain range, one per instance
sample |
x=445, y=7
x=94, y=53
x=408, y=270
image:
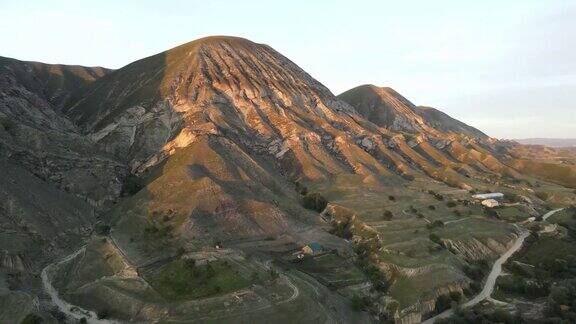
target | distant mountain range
x=551, y=142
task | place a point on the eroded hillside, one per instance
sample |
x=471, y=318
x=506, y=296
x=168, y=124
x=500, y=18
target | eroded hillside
x=209, y=161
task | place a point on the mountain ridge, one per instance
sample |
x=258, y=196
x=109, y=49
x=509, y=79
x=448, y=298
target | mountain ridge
x=222, y=149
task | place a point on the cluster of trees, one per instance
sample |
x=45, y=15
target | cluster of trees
x=444, y=302
x=365, y=250
x=476, y=269
x=490, y=212
x=478, y=315
x=435, y=238
x=342, y=229
x=523, y=286
x=561, y=304
x=311, y=200
x=512, y=197
x=314, y=201
x=132, y=184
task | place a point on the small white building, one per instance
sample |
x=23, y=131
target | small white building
x=490, y=203
x=491, y=195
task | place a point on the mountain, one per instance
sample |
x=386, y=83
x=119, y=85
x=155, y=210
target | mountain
x=188, y=181
x=551, y=142
x=445, y=123
x=387, y=108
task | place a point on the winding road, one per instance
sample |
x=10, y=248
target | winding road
x=91, y=317
x=494, y=273
x=68, y=309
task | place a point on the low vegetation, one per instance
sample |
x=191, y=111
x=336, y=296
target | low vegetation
x=479, y=315
x=182, y=279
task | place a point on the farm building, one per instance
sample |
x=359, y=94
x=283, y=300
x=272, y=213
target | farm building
x=313, y=248
x=490, y=203
x=491, y=195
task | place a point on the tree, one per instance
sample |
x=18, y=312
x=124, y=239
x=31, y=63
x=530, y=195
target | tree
x=435, y=238
x=357, y=303
x=456, y=296
x=435, y=224
x=315, y=201
x=102, y=229
x=210, y=270
x=387, y=215
x=190, y=263
x=102, y=314
x=273, y=274
x=443, y=302
x=132, y=184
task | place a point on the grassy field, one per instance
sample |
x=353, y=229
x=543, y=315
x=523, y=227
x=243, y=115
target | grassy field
x=179, y=280
x=512, y=214
x=409, y=290
x=405, y=238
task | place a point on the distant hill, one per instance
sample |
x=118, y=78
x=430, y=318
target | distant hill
x=551, y=142
x=387, y=108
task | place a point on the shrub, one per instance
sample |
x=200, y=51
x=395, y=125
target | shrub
x=451, y=204
x=456, y=296
x=7, y=124
x=151, y=229
x=435, y=224
x=32, y=319
x=511, y=197
x=341, y=229
x=432, y=207
x=443, y=303
x=301, y=189
x=132, y=184
x=315, y=201
x=435, y=238
x=542, y=195
x=102, y=314
x=102, y=229
x=357, y=303
x=391, y=198
x=387, y=215
x=190, y=263
x=408, y=177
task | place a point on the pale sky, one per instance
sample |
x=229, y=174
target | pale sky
x=507, y=67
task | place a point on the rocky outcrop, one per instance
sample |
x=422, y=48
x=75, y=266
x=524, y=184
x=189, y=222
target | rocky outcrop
x=11, y=262
x=474, y=249
x=415, y=313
